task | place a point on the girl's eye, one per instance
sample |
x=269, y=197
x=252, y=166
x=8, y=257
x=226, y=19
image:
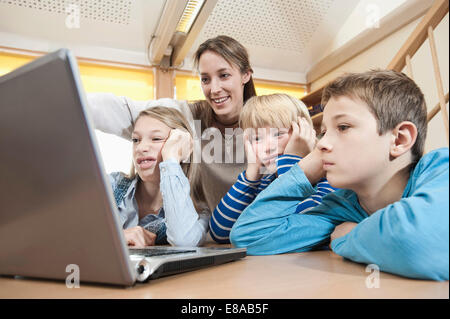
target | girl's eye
x=225, y=75
x=204, y=80
x=157, y=139
x=135, y=140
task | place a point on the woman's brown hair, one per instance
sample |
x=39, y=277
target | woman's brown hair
x=235, y=54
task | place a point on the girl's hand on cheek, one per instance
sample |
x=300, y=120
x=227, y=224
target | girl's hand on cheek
x=179, y=146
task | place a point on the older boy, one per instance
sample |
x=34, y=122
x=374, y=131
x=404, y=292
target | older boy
x=393, y=206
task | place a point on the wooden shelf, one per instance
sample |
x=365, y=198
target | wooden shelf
x=313, y=98
x=317, y=121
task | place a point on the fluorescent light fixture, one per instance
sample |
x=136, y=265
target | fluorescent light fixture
x=190, y=13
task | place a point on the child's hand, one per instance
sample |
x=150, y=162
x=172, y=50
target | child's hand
x=302, y=140
x=139, y=237
x=254, y=165
x=312, y=166
x=179, y=146
x=342, y=230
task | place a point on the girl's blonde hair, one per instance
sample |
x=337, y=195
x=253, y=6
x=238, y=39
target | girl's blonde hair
x=175, y=120
x=274, y=110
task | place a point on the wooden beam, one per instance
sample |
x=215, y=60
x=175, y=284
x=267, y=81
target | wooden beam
x=435, y=110
x=432, y=18
x=409, y=67
x=437, y=76
x=397, y=19
x=164, y=83
x=280, y=83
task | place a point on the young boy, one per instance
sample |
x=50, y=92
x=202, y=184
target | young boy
x=392, y=207
x=278, y=133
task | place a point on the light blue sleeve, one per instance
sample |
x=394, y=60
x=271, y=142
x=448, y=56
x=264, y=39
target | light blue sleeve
x=185, y=227
x=410, y=237
x=270, y=225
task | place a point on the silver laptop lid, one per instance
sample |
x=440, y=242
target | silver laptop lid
x=57, y=205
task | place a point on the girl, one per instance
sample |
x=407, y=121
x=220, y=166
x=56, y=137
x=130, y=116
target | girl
x=156, y=203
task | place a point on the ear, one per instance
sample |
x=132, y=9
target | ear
x=246, y=77
x=404, y=136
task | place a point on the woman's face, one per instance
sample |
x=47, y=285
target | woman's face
x=148, y=139
x=222, y=85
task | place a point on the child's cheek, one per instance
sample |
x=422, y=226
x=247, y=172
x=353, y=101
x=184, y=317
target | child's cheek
x=283, y=143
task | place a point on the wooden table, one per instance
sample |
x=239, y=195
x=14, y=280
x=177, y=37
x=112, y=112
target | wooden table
x=320, y=274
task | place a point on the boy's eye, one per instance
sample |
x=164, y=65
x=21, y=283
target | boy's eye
x=343, y=127
x=135, y=140
x=157, y=139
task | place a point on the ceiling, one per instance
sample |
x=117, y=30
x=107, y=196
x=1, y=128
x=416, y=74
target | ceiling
x=285, y=38
x=284, y=35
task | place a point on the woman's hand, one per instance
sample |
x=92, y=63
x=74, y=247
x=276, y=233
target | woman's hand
x=302, y=140
x=254, y=165
x=179, y=146
x=139, y=237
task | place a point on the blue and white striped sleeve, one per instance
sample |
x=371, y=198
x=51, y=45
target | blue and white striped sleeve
x=322, y=188
x=285, y=162
x=230, y=207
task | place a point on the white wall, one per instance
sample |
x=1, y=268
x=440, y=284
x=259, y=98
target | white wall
x=423, y=74
x=381, y=54
x=115, y=151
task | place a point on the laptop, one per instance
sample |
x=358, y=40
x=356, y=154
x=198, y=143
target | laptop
x=58, y=209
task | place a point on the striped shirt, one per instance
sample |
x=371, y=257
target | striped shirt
x=244, y=192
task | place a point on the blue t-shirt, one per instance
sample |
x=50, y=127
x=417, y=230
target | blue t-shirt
x=409, y=237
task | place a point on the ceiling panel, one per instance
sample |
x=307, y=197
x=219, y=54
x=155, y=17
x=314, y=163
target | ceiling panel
x=112, y=11
x=287, y=35
x=277, y=24
x=118, y=24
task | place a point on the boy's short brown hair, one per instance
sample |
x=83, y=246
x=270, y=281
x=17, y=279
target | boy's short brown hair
x=391, y=96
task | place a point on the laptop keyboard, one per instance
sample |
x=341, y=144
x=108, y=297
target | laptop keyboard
x=158, y=252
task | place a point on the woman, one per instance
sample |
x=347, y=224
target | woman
x=226, y=81
x=156, y=202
